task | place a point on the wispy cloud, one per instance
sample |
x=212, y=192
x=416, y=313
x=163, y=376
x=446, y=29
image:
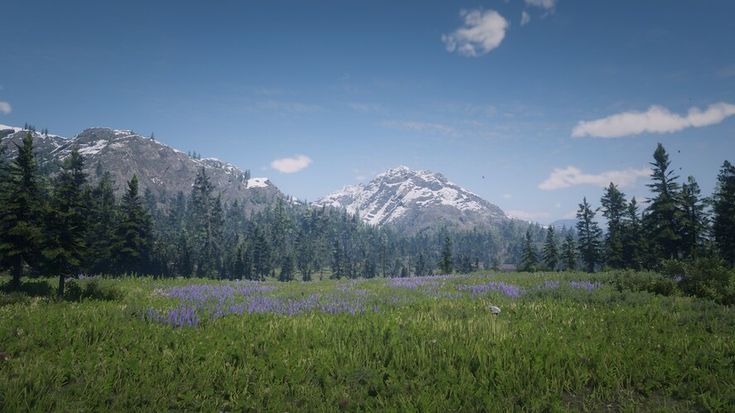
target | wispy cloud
x=573, y=176
x=5, y=108
x=657, y=119
x=507, y=196
x=364, y=107
x=287, y=106
x=544, y=4
x=482, y=32
x=424, y=127
x=528, y=215
x=525, y=18
x=292, y=164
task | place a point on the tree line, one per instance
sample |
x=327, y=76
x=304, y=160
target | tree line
x=66, y=223
x=678, y=223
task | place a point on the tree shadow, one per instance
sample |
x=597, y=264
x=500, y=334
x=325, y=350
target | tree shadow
x=34, y=288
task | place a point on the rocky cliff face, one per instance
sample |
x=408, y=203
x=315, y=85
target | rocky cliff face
x=160, y=168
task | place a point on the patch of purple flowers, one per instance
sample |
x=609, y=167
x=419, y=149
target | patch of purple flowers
x=509, y=290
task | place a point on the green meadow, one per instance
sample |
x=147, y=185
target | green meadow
x=561, y=342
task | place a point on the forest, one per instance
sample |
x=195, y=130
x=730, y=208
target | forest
x=66, y=224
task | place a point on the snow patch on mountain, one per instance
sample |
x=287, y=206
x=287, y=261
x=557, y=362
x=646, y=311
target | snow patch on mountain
x=404, y=194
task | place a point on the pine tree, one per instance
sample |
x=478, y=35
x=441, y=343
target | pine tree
x=694, y=220
x=551, y=252
x=286, y=273
x=633, y=243
x=203, y=221
x=101, y=223
x=662, y=219
x=614, y=208
x=589, y=234
x=20, y=213
x=723, y=206
x=184, y=263
x=133, y=234
x=569, y=253
x=64, y=242
x=446, y=265
x=529, y=260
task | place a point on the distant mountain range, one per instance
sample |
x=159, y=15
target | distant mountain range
x=408, y=199
x=415, y=200
x=160, y=168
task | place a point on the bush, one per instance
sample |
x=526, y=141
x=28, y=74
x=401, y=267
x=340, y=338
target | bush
x=72, y=292
x=91, y=291
x=96, y=292
x=13, y=298
x=709, y=278
x=644, y=281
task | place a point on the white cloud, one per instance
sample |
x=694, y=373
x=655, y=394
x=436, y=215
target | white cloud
x=482, y=32
x=572, y=176
x=525, y=18
x=528, y=215
x=5, y=108
x=657, y=119
x=429, y=127
x=544, y=4
x=291, y=165
x=507, y=196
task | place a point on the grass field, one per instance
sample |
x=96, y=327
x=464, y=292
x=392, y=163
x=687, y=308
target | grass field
x=562, y=342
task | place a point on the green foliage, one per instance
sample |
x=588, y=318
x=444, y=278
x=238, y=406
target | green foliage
x=651, y=282
x=723, y=227
x=709, y=278
x=529, y=260
x=614, y=207
x=569, y=253
x=551, y=252
x=447, y=263
x=20, y=213
x=589, y=234
x=133, y=234
x=568, y=350
x=663, y=216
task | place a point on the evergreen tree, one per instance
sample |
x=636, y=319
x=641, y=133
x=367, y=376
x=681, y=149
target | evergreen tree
x=569, y=253
x=694, y=220
x=261, y=256
x=446, y=265
x=529, y=259
x=20, y=213
x=589, y=234
x=101, y=224
x=723, y=228
x=633, y=243
x=133, y=234
x=551, y=252
x=421, y=265
x=662, y=217
x=184, y=262
x=286, y=268
x=614, y=208
x=64, y=237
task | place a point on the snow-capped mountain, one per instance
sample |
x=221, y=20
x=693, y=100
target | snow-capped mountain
x=160, y=168
x=414, y=200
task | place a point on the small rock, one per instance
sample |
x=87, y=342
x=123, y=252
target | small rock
x=4, y=356
x=495, y=310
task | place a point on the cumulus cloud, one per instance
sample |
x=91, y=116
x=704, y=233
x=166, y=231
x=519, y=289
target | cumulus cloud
x=291, y=165
x=482, y=32
x=5, y=108
x=544, y=4
x=657, y=119
x=525, y=18
x=572, y=176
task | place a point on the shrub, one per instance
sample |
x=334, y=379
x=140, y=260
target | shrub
x=644, y=281
x=709, y=278
x=72, y=292
x=95, y=291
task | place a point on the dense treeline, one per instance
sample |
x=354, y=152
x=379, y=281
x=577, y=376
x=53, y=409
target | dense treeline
x=677, y=224
x=67, y=224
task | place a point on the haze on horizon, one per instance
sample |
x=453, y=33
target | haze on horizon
x=531, y=104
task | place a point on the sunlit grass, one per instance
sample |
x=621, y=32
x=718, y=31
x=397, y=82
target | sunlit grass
x=431, y=346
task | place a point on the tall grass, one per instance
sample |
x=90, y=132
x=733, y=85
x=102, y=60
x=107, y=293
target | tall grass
x=419, y=345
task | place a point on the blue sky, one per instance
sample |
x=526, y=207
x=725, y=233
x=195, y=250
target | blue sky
x=532, y=104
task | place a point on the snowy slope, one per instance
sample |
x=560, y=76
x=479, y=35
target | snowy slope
x=419, y=199
x=160, y=168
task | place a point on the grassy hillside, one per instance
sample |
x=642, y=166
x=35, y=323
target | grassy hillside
x=561, y=342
